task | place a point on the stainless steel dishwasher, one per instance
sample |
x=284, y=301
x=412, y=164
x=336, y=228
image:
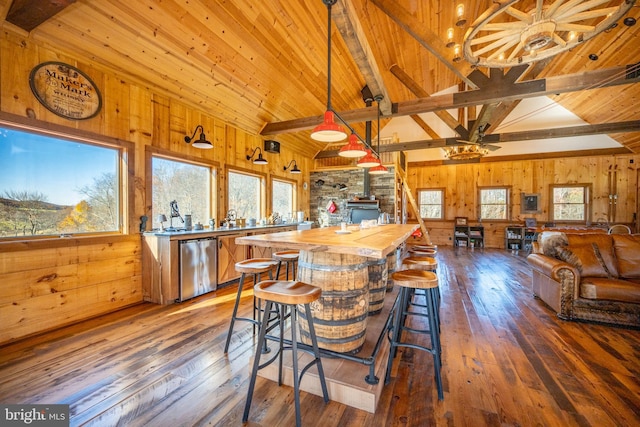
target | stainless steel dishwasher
x=198, y=267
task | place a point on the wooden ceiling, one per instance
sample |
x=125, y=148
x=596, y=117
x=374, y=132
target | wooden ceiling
x=262, y=65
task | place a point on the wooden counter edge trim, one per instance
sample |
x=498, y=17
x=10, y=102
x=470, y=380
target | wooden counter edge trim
x=314, y=247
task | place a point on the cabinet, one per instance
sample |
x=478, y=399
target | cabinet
x=228, y=254
x=468, y=235
x=517, y=237
x=161, y=260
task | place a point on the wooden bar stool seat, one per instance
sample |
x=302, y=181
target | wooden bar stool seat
x=425, y=247
x=290, y=294
x=420, y=263
x=290, y=258
x=422, y=252
x=254, y=266
x=410, y=280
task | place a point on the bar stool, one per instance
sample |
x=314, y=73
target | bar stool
x=424, y=264
x=290, y=258
x=254, y=266
x=409, y=280
x=287, y=294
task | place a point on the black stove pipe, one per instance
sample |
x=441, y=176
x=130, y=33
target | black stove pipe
x=367, y=97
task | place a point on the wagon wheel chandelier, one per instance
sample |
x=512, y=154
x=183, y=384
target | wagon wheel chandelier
x=507, y=34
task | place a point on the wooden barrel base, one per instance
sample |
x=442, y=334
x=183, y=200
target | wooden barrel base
x=377, y=285
x=340, y=314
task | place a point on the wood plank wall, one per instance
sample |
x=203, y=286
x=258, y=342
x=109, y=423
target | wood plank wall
x=47, y=284
x=461, y=184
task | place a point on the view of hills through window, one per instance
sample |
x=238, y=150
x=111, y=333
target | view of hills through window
x=53, y=186
x=186, y=184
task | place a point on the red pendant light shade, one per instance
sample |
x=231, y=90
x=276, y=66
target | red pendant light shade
x=353, y=148
x=368, y=161
x=378, y=170
x=328, y=130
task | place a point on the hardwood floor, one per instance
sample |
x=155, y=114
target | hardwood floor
x=507, y=361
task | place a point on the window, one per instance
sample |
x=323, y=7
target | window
x=431, y=203
x=50, y=185
x=245, y=194
x=569, y=202
x=494, y=203
x=283, y=193
x=188, y=184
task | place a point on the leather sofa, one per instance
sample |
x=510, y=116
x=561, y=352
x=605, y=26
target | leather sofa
x=589, y=277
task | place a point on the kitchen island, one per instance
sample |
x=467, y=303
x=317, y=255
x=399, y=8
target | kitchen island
x=337, y=261
x=351, y=340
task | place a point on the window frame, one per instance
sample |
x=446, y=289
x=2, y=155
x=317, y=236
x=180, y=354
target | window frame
x=213, y=167
x=125, y=173
x=263, y=190
x=507, y=203
x=294, y=191
x=587, y=203
x=442, y=191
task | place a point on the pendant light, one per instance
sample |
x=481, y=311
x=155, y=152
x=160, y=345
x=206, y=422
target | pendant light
x=379, y=169
x=368, y=161
x=353, y=148
x=329, y=130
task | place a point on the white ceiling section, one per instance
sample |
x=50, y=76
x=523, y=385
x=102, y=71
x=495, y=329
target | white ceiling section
x=530, y=114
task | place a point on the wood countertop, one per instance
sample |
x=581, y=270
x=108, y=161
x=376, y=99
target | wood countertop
x=376, y=242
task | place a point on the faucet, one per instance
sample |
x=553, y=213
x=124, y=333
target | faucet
x=175, y=212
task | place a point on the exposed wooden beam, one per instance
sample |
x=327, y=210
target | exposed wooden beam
x=564, y=132
x=28, y=14
x=552, y=85
x=418, y=91
x=423, y=35
x=495, y=113
x=347, y=22
x=535, y=156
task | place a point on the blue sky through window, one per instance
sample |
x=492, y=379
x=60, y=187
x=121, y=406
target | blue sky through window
x=55, y=167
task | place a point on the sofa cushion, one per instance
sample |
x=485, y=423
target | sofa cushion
x=595, y=288
x=586, y=259
x=627, y=249
x=605, y=247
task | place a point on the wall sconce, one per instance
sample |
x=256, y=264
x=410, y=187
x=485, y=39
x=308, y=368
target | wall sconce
x=450, y=41
x=201, y=142
x=260, y=160
x=341, y=187
x=295, y=167
x=460, y=19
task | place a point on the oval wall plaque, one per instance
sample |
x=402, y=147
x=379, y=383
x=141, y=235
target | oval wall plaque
x=65, y=90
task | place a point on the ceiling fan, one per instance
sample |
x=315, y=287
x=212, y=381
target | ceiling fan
x=481, y=133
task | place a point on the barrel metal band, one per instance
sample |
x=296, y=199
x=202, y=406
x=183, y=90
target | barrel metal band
x=321, y=267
